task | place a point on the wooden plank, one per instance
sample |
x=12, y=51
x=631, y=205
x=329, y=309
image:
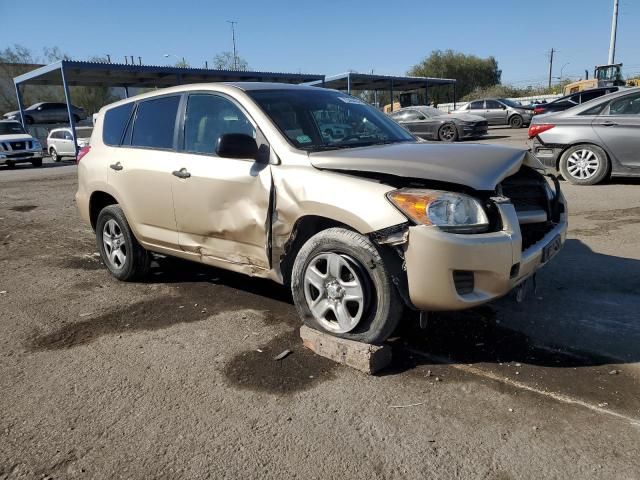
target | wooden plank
x=361, y=356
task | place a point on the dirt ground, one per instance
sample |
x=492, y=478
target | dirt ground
x=175, y=377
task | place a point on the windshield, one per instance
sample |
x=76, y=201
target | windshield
x=319, y=119
x=432, y=112
x=7, y=128
x=510, y=103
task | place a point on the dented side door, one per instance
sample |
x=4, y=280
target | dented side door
x=222, y=204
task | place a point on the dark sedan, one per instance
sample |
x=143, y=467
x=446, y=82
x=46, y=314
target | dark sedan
x=570, y=101
x=433, y=124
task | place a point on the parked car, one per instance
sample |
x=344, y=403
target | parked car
x=17, y=146
x=499, y=111
x=241, y=177
x=60, y=142
x=433, y=124
x=47, y=112
x=570, y=101
x=592, y=141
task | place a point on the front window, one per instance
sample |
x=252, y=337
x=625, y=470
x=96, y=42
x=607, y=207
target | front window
x=510, y=103
x=8, y=128
x=318, y=119
x=432, y=112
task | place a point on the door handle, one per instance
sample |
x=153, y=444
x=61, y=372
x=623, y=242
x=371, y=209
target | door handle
x=182, y=173
x=116, y=166
x=609, y=123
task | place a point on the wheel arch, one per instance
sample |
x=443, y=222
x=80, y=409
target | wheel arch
x=98, y=200
x=587, y=142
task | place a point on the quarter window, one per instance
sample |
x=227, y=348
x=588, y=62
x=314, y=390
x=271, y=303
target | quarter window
x=115, y=121
x=208, y=117
x=155, y=123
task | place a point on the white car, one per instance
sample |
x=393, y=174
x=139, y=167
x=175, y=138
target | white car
x=17, y=146
x=60, y=142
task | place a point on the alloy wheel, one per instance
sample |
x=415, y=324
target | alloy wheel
x=583, y=164
x=114, y=243
x=334, y=292
x=447, y=133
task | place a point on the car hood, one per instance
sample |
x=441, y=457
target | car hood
x=15, y=137
x=464, y=117
x=478, y=166
x=9, y=114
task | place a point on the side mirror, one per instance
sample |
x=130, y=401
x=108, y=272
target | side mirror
x=503, y=107
x=422, y=117
x=237, y=145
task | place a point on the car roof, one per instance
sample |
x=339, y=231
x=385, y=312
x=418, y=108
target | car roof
x=251, y=86
x=578, y=109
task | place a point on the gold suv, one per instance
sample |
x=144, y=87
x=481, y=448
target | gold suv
x=315, y=189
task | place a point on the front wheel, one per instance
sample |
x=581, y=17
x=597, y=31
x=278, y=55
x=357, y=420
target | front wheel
x=516, y=121
x=584, y=164
x=120, y=251
x=37, y=162
x=341, y=285
x=448, y=133
x=54, y=155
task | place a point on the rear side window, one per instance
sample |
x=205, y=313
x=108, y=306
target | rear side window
x=478, y=105
x=155, y=123
x=115, y=121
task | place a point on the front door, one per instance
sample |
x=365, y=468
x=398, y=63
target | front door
x=619, y=128
x=495, y=112
x=221, y=204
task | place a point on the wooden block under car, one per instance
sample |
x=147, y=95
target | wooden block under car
x=361, y=356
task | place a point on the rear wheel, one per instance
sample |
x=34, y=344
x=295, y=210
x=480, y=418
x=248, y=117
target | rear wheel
x=29, y=120
x=54, y=155
x=584, y=164
x=341, y=285
x=120, y=251
x=448, y=133
x=516, y=121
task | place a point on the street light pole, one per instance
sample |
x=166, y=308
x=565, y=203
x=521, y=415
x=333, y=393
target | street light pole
x=614, y=31
x=233, y=38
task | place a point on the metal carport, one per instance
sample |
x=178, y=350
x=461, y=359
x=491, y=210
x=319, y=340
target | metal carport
x=78, y=73
x=367, y=81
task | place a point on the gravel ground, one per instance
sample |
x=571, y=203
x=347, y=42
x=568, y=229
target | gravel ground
x=174, y=377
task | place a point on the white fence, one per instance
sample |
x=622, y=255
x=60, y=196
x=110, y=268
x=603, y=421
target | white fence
x=448, y=107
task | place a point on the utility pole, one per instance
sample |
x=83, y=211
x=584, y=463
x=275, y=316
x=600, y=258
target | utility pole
x=233, y=37
x=614, y=31
x=550, y=65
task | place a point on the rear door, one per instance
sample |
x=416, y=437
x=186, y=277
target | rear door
x=495, y=112
x=477, y=108
x=619, y=128
x=222, y=206
x=65, y=143
x=141, y=165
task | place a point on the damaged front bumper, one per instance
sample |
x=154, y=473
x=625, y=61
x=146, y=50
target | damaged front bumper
x=448, y=271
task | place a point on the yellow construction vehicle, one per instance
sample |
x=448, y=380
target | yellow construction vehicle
x=603, y=76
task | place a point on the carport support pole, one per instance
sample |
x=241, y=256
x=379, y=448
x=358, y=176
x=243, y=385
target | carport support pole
x=20, y=105
x=392, y=96
x=349, y=83
x=455, y=94
x=426, y=93
x=126, y=92
x=67, y=98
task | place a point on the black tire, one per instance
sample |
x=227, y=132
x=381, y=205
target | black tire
x=10, y=164
x=568, y=164
x=76, y=118
x=448, y=133
x=54, y=155
x=138, y=260
x=29, y=120
x=37, y=162
x=516, y=121
x=382, y=304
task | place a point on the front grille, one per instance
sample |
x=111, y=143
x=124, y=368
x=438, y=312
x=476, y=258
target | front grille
x=18, y=145
x=527, y=191
x=464, y=281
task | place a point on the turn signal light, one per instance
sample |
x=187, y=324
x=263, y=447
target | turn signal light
x=538, y=128
x=83, y=151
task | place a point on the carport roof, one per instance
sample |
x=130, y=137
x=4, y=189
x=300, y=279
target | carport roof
x=79, y=73
x=369, y=81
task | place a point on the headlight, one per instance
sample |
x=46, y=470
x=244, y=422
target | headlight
x=452, y=212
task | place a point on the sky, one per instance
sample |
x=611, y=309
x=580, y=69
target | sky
x=329, y=37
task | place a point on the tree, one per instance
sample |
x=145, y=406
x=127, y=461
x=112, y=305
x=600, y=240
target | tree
x=470, y=71
x=225, y=61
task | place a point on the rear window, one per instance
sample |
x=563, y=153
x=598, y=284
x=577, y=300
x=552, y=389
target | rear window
x=155, y=123
x=115, y=121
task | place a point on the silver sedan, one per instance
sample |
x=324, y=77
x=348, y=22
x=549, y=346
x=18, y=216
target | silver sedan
x=592, y=141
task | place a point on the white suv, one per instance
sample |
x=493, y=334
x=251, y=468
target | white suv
x=17, y=146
